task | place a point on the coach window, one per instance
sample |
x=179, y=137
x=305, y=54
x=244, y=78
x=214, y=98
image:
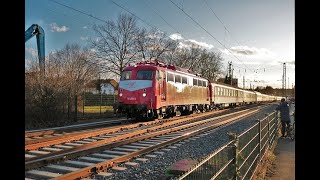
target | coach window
x=195, y=82
x=184, y=80
x=126, y=75
x=204, y=84
x=170, y=77
x=177, y=78
x=144, y=75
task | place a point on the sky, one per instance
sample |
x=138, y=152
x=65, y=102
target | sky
x=256, y=36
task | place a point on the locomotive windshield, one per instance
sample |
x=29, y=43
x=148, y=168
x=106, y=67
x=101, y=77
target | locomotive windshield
x=145, y=74
x=126, y=75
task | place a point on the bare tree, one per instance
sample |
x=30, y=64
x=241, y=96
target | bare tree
x=198, y=60
x=210, y=65
x=75, y=66
x=115, y=43
x=154, y=44
x=67, y=71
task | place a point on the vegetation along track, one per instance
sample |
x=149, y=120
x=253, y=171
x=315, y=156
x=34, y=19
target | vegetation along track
x=111, y=154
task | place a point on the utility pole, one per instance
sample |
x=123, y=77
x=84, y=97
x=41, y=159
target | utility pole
x=229, y=76
x=284, y=85
x=288, y=87
x=243, y=82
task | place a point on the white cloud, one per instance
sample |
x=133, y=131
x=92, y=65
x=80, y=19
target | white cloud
x=84, y=38
x=202, y=44
x=176, y=36
x=56, y=28
x=85, y=27
x=191, y=42
x=248, y=51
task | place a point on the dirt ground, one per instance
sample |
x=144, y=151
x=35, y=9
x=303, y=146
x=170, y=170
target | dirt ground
x=283, y=168
x=278, y=163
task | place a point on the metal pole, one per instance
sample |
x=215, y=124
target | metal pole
x=100, y=101
x=83, y=102
x=269, y=135
x=259, y=137
x=75, y=108
x=234, y=153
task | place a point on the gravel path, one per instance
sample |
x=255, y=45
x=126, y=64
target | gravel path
x=156, y=167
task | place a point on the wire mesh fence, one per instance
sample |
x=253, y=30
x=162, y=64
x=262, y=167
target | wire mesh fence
x=100, y=105
x=238, y=159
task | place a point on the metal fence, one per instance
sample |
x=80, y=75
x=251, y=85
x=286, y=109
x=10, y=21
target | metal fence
x=238, y=159
x=95, y=105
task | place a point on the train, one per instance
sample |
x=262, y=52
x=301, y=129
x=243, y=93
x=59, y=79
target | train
x=155, y=90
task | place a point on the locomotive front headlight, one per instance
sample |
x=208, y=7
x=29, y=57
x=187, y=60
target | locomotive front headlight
x=144, y=94
x=120, y=94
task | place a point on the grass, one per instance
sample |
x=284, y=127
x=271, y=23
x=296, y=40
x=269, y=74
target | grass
x=265, y=167
x=96, y=109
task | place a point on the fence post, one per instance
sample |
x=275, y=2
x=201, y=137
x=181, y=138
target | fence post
x=68, y=106
x=269, y=135
x=100, y=102
x=277, y=124
x=83, y=102
x=258, y=120
x=234, y=153
x=75, y=108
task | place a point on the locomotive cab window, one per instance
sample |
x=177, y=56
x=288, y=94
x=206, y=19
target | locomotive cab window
x=126, y=75
x=144, y=75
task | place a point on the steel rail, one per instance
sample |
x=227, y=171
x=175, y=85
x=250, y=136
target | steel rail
x=85, y=172
x=38, y=143
x=103, y=144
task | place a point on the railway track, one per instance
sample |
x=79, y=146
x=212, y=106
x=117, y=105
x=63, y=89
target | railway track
x=39, y=146
x=95, y=157
x=58, y=131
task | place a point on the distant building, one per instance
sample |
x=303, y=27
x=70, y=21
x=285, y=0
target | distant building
x=107, y=86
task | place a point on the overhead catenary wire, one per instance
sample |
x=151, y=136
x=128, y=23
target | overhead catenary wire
x=226, y=29
x=206, y=31
x=79, y=11
x=162, y=17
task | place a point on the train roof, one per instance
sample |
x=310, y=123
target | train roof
x=158, y=63
x=228, y=85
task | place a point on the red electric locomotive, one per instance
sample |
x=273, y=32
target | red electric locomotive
x=151, y=89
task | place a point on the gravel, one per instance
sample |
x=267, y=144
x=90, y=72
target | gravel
x=194, y=149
